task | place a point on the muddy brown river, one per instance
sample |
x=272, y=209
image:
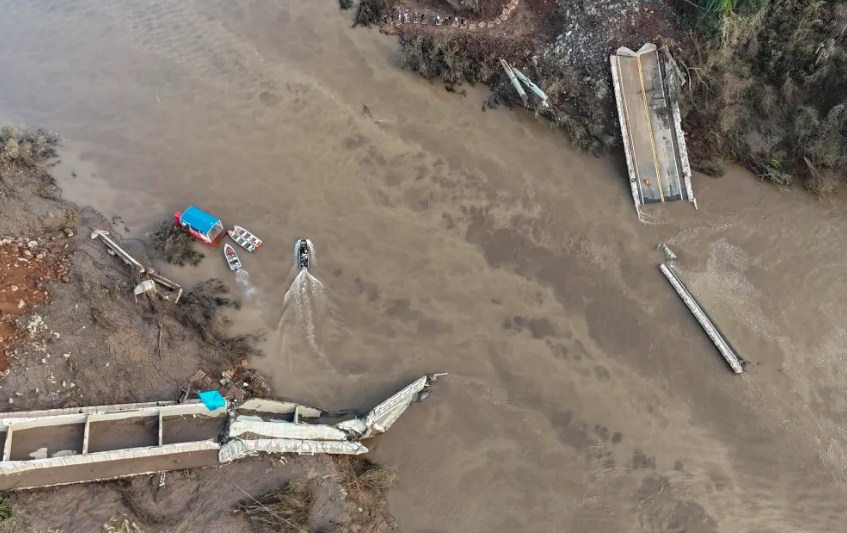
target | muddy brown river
x=581, y=396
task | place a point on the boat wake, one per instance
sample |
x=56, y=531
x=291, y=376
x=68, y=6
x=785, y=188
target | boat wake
x=243, y=279
x=303, y=306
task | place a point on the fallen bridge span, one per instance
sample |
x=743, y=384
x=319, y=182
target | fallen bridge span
x=645, y=85
x=74, y=445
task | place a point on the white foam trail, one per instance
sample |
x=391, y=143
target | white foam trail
x=243, y=279
x=304, y=299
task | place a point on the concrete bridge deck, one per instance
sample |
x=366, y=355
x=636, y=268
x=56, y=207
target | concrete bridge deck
x=654, y=143
x=73, y=445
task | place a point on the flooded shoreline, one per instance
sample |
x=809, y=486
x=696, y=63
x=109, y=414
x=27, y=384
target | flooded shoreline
x=477, y=243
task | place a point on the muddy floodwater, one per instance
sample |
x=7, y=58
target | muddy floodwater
x=581, y=395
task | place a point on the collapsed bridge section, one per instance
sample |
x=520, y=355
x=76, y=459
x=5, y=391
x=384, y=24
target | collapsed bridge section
x=645, y=84
x=79, y=444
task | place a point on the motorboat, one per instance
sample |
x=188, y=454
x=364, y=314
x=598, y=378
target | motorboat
x=232, y=259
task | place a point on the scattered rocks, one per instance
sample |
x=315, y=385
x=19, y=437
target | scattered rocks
x=596, y=29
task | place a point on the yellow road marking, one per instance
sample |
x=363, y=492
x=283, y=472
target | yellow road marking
x=628, y=130
x=649, y=127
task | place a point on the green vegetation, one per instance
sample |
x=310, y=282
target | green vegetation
x=5, y=509
x=286, y=511
x=345, y=4
x=765, y=89
x=719, y=6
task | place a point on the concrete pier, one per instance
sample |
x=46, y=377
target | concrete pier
x=723, y=345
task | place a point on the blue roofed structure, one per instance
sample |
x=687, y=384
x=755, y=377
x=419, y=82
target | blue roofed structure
x=212, y=399
x=199, y=220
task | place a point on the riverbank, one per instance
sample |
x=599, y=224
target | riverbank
x=73, y=334
x=477, y=243
x=744, y=101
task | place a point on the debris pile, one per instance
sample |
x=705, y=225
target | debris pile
x=238, y=384
x=26, y=267
x=146, y=286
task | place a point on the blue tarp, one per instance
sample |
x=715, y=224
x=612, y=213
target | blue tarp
x=198, y=220
x=212, y=399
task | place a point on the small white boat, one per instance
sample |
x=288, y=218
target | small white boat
x=245, y=239
x=232, y=258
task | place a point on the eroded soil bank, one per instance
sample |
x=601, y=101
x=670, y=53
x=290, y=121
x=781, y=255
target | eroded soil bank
x=73, y=334
x=757, y=94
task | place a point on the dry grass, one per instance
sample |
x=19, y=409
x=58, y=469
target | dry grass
x=121, y=524
x=762, y=90
x=175, y=244
x=364, y=476
x=286, y=511
x=376, y=477
x=30, y=148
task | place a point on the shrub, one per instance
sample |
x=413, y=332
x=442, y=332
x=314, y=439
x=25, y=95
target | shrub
x=176, y=245
x=286, y=511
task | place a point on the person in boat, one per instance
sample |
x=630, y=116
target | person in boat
x=304, y=253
